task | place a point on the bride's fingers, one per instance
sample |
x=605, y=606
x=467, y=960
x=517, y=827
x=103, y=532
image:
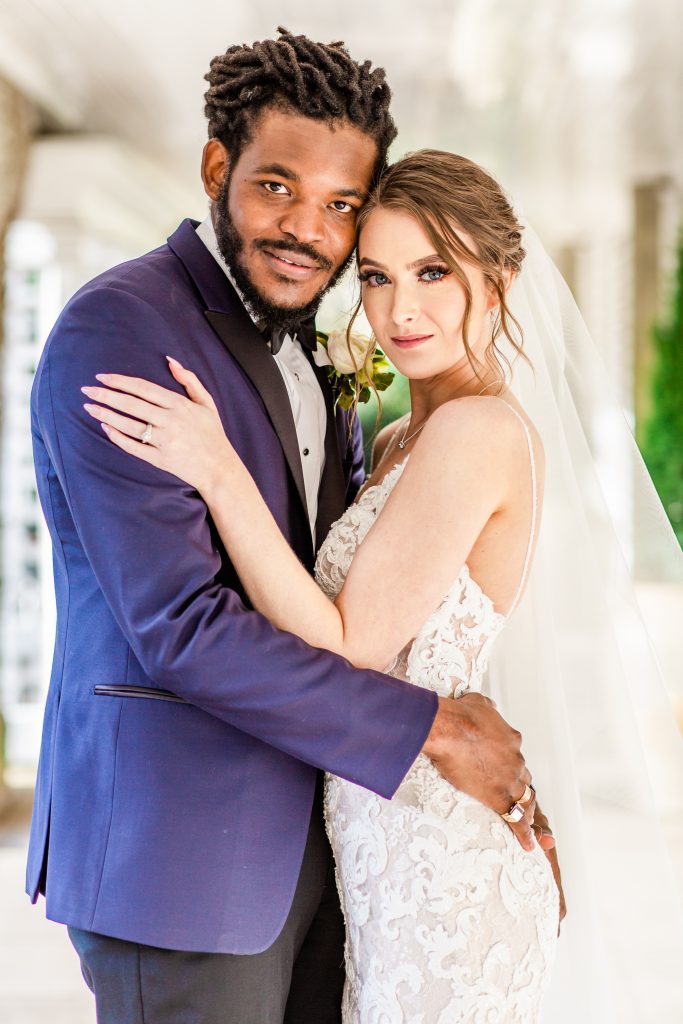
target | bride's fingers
x=140, y=388
x=130, y=427
x=191, y=383
x=148, y=412
x=146, y=452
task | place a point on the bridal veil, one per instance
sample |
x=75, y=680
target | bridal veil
x=577, y=672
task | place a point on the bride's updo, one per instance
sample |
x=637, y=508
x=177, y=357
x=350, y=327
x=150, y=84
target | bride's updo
x=445, y=192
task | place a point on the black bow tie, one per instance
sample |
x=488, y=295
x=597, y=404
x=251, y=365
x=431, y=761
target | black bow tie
x=303, y=332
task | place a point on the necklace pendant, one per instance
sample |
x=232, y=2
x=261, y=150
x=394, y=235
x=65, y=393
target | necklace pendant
x=401, y=445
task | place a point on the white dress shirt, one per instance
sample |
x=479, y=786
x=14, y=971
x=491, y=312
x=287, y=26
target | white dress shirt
x=305, y=396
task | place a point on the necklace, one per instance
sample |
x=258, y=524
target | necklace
x=404, y=440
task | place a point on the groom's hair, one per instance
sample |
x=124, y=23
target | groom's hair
x=292, y=73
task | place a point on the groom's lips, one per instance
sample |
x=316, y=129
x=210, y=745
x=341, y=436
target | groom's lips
x=291, y=265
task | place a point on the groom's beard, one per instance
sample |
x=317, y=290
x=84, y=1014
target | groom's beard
x=232, y=245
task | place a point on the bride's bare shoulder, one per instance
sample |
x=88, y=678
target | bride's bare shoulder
x=486, y=429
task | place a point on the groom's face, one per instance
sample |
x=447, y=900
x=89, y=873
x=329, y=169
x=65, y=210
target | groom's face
x=285, y=210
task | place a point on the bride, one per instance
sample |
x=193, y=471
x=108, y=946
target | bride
x=448, y=918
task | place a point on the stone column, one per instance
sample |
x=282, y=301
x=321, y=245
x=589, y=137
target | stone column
x=17, y=122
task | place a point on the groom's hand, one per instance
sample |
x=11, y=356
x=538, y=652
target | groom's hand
x=476, y=750
x=546, y=840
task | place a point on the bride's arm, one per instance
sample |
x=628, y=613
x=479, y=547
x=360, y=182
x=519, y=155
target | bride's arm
x=409, y=558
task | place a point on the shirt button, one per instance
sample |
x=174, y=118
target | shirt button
x=306, y=451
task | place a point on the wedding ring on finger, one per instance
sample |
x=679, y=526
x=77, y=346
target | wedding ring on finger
x=147, y=434
x=515, y=814
x=526, y=796
x=518, y=809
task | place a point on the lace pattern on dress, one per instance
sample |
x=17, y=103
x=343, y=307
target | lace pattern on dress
x=448, y=920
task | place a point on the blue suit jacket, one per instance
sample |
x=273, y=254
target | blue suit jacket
x=182, y=731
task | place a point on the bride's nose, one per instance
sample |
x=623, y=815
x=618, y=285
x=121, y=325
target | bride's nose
x=405, y=307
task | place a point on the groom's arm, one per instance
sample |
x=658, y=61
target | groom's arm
x=147, y=538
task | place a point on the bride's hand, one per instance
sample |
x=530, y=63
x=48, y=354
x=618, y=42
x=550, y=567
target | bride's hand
x=184, y=436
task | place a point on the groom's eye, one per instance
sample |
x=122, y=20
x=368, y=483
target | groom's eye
x=275, y=188
x=342, y=207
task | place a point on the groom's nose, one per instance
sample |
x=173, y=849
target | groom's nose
x=304, y=222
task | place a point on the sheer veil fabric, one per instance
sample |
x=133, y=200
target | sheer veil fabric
x=576, y=670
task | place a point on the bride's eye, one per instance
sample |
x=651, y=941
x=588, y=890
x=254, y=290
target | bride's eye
x=374, y=278
x=430, y=275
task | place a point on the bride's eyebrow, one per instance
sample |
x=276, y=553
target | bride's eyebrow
x=434, y=257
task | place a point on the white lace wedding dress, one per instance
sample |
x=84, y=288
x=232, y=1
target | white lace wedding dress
x=448, y=919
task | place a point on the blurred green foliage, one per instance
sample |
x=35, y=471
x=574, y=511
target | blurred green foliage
x=395, y=402
x=662, y=435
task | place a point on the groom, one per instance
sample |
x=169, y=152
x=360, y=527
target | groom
x=178, y=827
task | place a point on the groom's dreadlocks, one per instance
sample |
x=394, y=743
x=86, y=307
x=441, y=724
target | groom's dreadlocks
x=316, y=80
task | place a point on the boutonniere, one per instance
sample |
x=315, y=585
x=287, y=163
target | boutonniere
x=355, y=366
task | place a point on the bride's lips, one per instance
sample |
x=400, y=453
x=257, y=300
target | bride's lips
x=290, y=265
x=410, y=340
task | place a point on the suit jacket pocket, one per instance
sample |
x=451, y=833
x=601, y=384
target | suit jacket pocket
x=147, y=692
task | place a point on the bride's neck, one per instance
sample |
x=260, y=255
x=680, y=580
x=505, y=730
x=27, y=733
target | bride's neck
x=460, y=381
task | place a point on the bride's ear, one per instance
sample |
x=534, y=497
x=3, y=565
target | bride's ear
x=494, y=299
x=508, y=279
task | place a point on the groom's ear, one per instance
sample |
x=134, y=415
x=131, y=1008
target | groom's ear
x=215, y=165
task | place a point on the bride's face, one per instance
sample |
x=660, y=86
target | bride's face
x=414, y=302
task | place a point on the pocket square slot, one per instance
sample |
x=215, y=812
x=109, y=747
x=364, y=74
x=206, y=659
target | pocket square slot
x=148, y=692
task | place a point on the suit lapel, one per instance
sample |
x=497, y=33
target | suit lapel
x=251, y=352
x=332, y=493
x=233, y=325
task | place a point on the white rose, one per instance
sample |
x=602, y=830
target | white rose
x=338, y=351
x=320, y=356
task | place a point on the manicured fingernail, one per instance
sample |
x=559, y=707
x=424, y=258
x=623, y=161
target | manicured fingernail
x=88, y=407
x=174, y=361
x=101, y=376
x=87, y=391
x=105, y=427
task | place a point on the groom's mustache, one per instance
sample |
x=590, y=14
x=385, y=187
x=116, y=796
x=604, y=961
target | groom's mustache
x=296, y=249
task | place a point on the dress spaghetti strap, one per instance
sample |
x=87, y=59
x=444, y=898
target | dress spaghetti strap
x=534, y=508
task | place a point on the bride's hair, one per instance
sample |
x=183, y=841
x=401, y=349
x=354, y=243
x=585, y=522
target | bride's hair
x=445, y=192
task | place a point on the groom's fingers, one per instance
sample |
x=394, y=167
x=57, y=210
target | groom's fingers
x=525, y=837
x=524, y=832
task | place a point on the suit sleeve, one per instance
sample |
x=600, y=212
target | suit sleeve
x=147, y=537
x=356, y=454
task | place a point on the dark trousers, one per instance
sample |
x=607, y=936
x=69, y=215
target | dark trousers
x=298, y=980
